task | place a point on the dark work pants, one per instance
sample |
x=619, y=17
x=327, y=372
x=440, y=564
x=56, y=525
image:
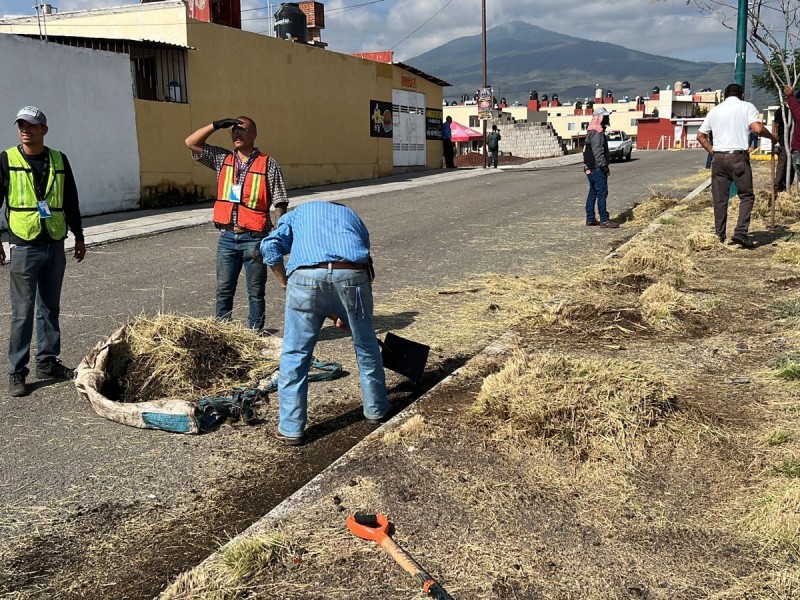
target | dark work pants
x=780, y=170
x=727, y=168
x=37, y=273
x=449, y=153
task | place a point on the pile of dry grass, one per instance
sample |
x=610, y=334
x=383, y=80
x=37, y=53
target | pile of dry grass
x=171, y=356
x=788, y=253
x=652, y=207
x=656, y=261
x=699, y=241
x=662, y=305
x=596, y=408
x=787, y=204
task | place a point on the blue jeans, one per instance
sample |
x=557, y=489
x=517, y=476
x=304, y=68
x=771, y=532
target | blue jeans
x=235, y=250
x=311, y=296
x=37, y=273
x=598, y=192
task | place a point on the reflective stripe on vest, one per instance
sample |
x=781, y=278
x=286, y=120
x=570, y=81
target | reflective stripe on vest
x=253, y=210
x=23, y=211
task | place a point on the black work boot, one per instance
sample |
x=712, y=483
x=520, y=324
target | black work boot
x=54, y=369
x=16, y=385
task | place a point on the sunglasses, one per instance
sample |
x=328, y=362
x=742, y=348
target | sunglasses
x=239, y=129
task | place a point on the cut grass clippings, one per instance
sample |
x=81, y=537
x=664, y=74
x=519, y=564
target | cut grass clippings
x=597, y=408
x=788, y=253
x=172, y=356
x=654, y=206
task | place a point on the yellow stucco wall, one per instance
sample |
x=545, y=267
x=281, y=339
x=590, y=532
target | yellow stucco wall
x=312, y=106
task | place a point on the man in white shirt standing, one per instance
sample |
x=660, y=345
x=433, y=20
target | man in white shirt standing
x=731, y=123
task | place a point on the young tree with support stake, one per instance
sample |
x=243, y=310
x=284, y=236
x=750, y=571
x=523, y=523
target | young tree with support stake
x=773, y=34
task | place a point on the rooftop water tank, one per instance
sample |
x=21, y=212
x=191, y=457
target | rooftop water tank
x=290, y=23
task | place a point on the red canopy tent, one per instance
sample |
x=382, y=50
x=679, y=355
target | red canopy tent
x=460, y=133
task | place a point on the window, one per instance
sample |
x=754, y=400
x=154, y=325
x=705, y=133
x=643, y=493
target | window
x=571, y=126
x=585, y=126
x=158, y=71
x=159, y=74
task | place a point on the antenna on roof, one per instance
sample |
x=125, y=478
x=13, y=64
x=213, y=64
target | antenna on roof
x=38, y=19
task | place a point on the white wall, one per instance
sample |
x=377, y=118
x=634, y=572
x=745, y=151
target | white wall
x=88, y=99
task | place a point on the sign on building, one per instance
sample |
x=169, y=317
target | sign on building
x=485, y=103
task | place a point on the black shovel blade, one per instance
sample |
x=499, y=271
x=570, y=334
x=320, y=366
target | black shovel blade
x=404, y=356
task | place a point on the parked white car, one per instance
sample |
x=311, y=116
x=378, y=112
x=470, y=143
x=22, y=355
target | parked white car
x=620, y=145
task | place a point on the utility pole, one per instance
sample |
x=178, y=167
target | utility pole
x=485, y=82
x=741, y=44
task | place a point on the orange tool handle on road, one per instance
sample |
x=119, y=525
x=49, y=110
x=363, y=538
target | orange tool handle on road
x=375, y=527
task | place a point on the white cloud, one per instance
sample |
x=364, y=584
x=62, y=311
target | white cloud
x=662, y=27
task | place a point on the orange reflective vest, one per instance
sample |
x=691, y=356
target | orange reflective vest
x=253, y=209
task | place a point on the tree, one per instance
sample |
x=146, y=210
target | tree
x=764, y=80
x=773, y=34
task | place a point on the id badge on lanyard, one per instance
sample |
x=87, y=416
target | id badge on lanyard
x=236, y=193
x=44, y=210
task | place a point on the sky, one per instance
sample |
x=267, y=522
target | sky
x=411, y=27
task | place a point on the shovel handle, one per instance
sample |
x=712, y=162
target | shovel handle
x=375, y=527
x=429, y=585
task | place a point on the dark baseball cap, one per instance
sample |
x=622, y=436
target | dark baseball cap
x=32, y=115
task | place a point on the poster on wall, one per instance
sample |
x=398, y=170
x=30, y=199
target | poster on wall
x=433, y=123
x=485, y=98
x=380, y=119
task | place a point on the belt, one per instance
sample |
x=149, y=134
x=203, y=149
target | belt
x=236, y=229
x=335, y=265
x=731, y=152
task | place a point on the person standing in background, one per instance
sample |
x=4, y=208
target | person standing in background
x=493, y=144
x=731, y=124
x=596, y=160
x=447, y=144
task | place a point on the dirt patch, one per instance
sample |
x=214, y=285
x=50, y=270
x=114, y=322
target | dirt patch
x=474, y=159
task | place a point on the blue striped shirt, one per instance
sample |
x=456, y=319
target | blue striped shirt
x=317, y=232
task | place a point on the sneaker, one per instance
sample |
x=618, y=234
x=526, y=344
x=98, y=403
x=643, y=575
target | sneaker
x=609, y=224
x=16, y=385
x=743, y=241
x=289, y=441
x=54, y=369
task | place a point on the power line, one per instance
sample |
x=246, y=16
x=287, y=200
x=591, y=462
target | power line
x=421, y=26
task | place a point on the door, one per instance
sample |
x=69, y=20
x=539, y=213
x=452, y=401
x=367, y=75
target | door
x=408, y=143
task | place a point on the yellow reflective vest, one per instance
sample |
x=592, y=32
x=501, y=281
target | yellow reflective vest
x=23, y=211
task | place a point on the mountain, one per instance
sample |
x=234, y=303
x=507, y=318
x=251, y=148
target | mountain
x=522, y=57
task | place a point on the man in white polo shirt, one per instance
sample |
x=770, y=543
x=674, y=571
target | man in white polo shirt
x=731, y=123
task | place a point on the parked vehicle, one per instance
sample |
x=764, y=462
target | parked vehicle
x=619, y=145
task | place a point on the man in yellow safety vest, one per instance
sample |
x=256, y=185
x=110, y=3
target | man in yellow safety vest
x=41, y=203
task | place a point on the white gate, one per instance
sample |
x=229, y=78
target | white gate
x=408, y=135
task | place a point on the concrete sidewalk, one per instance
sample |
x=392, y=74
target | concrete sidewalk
x=113, y=227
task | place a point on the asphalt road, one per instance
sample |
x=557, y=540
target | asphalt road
x=59, y=459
